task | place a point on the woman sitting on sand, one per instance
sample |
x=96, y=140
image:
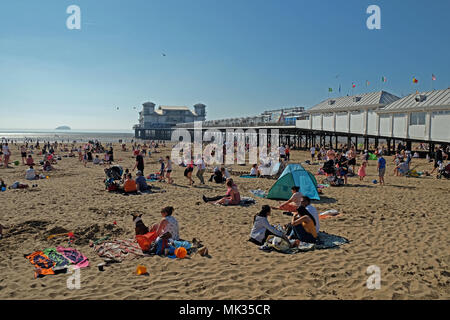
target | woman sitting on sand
x=47, y=166
x=262, y=228
x=167, y=224
x=231, y=192
x=30, y=161
x=294, y=201
x=233, y=197
x=129, y=185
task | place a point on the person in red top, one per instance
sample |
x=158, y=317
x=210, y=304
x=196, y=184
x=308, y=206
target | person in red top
x=288, y=152
x=30, y=161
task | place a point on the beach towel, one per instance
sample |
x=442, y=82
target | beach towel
x=247, y=176
x=74, y=256
x=328, y=214
x=325, y=241
x=119, y=250
x=259, y=193
x=43, y=264
x=247, y=201
x=60, y=261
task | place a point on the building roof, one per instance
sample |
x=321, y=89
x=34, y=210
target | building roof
x=437, y=99
x=356, y=102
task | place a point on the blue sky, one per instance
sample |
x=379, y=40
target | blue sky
x=239, y=57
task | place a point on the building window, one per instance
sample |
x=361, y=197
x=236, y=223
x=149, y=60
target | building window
x=417, y=118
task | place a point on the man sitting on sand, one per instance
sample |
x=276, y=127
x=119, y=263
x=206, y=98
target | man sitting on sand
x=141, y=183
x=304, y=225
x=30, y=174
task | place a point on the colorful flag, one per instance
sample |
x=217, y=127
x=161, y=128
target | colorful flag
x=353, y=85
x=339, y=88
x=433, y=77
x=415, y=80
x=383, y=79
x=367, y=83
x=330, y=89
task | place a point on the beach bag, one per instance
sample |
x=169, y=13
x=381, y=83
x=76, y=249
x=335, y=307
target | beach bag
x=277, y=243
x=146, y=240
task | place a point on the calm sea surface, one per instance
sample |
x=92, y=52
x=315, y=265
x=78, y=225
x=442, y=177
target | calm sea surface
x=65, y=135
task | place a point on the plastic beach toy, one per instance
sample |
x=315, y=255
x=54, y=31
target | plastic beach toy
x=16, y=162
x=141, y=270
x=3, y=189
x=180, y=252
x=374, y=181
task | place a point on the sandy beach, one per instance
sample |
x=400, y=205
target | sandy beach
x=402, y=228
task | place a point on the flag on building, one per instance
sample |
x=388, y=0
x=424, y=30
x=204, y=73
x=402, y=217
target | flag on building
x=339, y=88
x=433, y=77
x=383, y=79
x=415, y=80
x=353, y=85
x=330, y=89
x=367, y=83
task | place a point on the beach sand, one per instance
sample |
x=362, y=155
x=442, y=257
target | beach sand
x=402, y=228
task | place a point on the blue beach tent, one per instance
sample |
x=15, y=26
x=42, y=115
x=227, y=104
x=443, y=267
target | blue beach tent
x=294, y=175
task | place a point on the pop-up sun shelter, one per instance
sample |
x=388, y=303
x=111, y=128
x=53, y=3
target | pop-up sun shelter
x=294, y=175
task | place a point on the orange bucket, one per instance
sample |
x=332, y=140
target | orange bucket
x=141, y=270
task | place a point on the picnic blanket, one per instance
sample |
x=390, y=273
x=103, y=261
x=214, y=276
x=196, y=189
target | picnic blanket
x=60, y=261
x=247, y=176
x=74, y=256
x=326, y=241
x=42, y=263
x=119, y=250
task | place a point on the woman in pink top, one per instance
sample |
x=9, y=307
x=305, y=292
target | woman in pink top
x=232, y=197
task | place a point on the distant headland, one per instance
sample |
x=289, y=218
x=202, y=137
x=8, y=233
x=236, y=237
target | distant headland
x=63, y=128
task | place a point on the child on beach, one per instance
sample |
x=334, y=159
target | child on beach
x=362, y=170
x=381, y=166
x=294, y=201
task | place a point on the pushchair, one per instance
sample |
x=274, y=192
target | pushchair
x=444, y=172
x=113, y=174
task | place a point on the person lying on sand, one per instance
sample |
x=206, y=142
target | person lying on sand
x=262, y=228
x=293, y=203
x=167, y=224
x=304, y=226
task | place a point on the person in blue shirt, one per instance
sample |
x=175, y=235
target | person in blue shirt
x=141, y=182
x=381, y=166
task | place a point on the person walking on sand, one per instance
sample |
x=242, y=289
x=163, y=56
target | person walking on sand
x=6, y=155
x=139, y=162
x=23, y=153
x=169, y=170
x=381, y=166
x=201, y=167
x=313, y=152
